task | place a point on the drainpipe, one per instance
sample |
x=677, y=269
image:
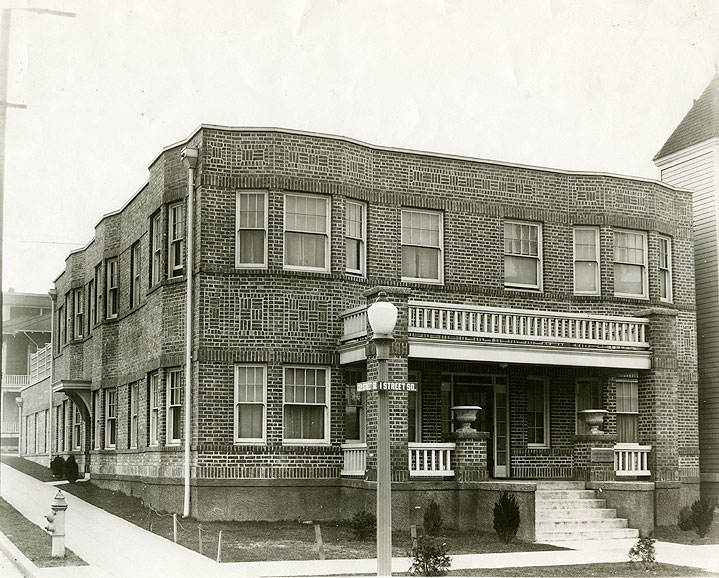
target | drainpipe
x=189, y=159
x=53, y=295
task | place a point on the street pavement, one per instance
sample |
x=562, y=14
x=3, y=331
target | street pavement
x=114, y=547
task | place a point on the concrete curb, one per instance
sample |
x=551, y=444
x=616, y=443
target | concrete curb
x=19, y=560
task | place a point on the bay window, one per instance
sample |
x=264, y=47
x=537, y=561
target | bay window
x=306, y=236
x=627, y=410
x=665, y=269
x=251, y=219
x=586, y=261
x=176, y=240
x=422, y=239
x=630, y=264
x=174, y=407
x=250, y=400
x=522, y=255
x=355, y=235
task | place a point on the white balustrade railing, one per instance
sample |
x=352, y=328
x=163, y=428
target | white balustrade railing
x=10, y=427
x=430, y=460
x=355, y=459
x=15, y=380
x=354, y=323
x=631, y=460
x=526, y=325
x=41, y=364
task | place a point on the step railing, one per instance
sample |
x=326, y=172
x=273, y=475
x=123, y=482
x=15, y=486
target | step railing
x=355, y=459
x=631, y=460
x=526, y=325
x=431, y=460
x=354, y=323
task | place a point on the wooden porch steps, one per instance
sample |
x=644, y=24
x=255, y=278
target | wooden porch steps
x=567, y=511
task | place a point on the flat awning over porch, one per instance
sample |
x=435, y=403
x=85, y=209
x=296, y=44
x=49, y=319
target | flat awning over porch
x=78, y=391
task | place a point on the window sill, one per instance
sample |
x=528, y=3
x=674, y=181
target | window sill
x=306, y=443
x=538, y=447
x=250, y=442
x=422, y=281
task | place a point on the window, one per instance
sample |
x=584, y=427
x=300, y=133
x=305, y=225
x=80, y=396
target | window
x=588, y=396
x=537, y=412
x=91, y=315
x=111, y=290
x=97, y=414
x=153, y=396
x=522, y=255
x=134, y=388
x=155, y=248
x=627, y=410
x=78, y=304
x=97, y=294
x=67, y=425
x=110, y=418
x=174, y=406
x=70, y=320
x=307, y=225
x=306, y=405
x=630, y=258
x=60, y=327
x=355, y=235
x=176, y=240
x=354, y=406
x=251, y=249
x=250, y=395
x=135, y=275
x=421, y=246
x=586, y=261
x=76, y=427
x=414, y=410
x=665, y=269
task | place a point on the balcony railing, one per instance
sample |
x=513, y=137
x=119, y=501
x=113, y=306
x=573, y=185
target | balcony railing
x=526, y=325
x=354, y=322
x=41, y=364
x=15, y=382
x=631, y=460
x=431, y=460
x=355, y=459
x=10, y=427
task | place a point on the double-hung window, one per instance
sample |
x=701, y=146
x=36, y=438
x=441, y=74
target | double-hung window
x=537, y=412
x=251, y=248
x=630, y=264
x=97, y=416
x=307, y=226
x=153, y=397
x=110, y=418
x=60, y=327
x=111, y=289
x=76, y=427
x=135, y=275
x=422, y=256
x=522, y=255
x=78, y=303
x=134, y=405
x=155, y=248
x=250, y=399
x=588, y=396
x=306, y=405
x=665, y=269
x=586, y=261
x=176, y=240
x=174, y=407
x=90, y=305
x=355, y=235
x=97, y=294
x=354, y=407
x=627, y=410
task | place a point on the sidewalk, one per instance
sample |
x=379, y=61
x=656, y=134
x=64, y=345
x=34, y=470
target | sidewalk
x=116, y=548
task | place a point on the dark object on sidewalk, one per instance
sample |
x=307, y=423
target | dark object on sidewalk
x=429, y=557
x=432, y=519
x=71, y=469
x=57, y=466
x=506, y=517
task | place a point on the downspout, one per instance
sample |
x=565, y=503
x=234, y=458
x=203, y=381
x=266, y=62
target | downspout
x=53, y=295
x=189, y=159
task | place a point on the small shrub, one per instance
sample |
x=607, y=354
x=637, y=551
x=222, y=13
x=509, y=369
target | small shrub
x=364, y=525
x=685, y=519
x=643, y=551
x=57, y=466
x=702, y=516
x=429, y=557
x=71, y=469
x=432, y=519
x=506, y=517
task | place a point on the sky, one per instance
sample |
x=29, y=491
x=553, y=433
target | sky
x=580, y=85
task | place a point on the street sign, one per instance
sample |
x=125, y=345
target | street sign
x=386, y=386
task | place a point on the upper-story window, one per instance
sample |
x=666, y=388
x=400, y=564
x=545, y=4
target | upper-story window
x=135, y=275
x=176, y=240
x=251, y=249
x=355, y=236
x=307, y=238
x=91, y=316
x=665, y=269
x=97, y=294
x=78, y=304
x=155, y=248
x=422, y=258
x=111, y=288
x=586, y=261
x=174, y=407
x=630, y=264
x=250, y=400
x=61, y=335
x=522, y=255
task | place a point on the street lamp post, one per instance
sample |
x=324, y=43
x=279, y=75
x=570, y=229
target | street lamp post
x=382, y=316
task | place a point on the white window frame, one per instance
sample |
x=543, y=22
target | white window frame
x=156, y=248
x=327, y=407
x=239, y=264
x=78, y=304
x=76, y=428
x=582, y=383
x=665, y=270
x=416, y=377
x=90, y=305
x=135, y=265
x=170, y=386
x=547, y=395
x=176, y=269
x=596, y=260
x=97, y=296
x=112, y=290
x=237, y=403
x=355, y=376
x=110, y=418
x=362, y=239
x=634, y=383
x=133, y=391
x=327, y=234
x=97, y=417
x=440, y=247
x=645, y=280
x=153, y=404
x=539, y=257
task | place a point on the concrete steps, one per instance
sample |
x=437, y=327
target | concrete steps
x=567, y=511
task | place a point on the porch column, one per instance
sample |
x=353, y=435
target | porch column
x=397, y=371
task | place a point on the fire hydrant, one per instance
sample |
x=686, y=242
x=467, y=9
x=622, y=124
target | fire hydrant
x=56, y=524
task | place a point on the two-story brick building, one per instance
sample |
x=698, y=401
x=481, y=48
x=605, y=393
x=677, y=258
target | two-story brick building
x=536, y=294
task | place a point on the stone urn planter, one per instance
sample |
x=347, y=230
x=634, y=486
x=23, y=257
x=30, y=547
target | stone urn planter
x=464, y=415
x=594, y=419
